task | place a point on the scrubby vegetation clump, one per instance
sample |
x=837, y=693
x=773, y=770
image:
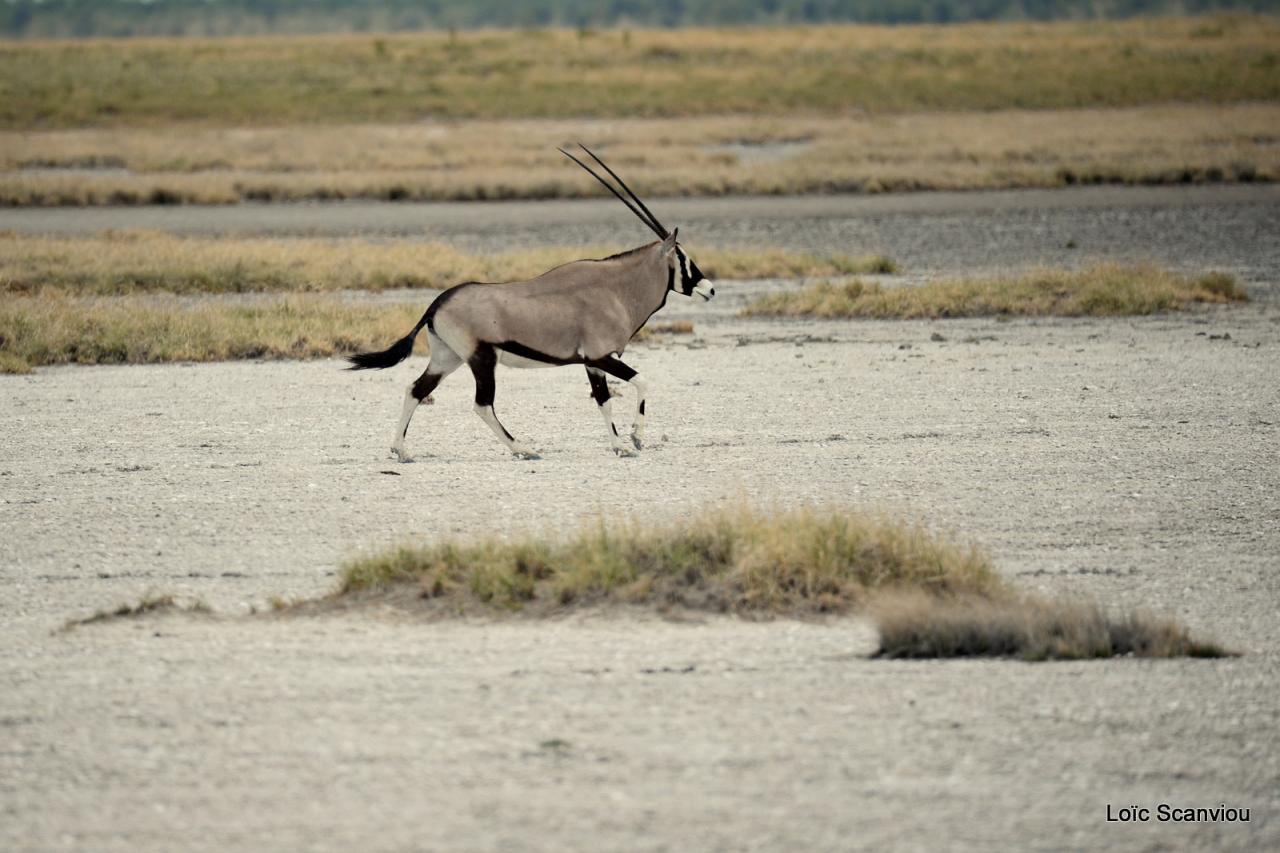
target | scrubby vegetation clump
x=1098, y=291
x=928, y=596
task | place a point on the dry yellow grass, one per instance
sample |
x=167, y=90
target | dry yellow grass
x=928, y=597
x=134, y=261
x=914, y=624
x=740, y=560
x=657, y=331
x=831, y=69
x=1103, y=290
x=705, y=156
x=51, y=328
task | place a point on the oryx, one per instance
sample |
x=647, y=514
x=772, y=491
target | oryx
x=584, y=312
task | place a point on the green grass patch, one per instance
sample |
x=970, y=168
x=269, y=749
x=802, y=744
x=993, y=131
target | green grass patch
x=115, y=263
x=1104, y=290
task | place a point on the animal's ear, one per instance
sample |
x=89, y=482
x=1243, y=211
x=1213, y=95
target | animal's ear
x=670, y=242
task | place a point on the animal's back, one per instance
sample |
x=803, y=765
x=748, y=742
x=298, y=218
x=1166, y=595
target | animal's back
x=566, y=314
x=566, y=317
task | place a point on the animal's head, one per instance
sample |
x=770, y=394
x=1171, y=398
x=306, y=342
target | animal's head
x=684, y=276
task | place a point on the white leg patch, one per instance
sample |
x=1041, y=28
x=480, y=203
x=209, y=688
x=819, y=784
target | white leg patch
x=637, y=427
x=606, y=412
x=406, y=412
x=517, y=449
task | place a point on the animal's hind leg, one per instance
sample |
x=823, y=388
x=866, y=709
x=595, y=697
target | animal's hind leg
x=600, y=393
x=482, y=364
x=443, y=362
x=615, y=367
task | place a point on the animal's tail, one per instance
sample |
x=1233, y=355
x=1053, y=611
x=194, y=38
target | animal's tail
x=390, y=356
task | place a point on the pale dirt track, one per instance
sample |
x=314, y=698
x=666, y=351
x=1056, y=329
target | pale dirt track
x=1130, y=460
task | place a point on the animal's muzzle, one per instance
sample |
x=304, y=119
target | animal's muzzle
x=705, y=289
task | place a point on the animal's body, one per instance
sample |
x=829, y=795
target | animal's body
x=584, y=312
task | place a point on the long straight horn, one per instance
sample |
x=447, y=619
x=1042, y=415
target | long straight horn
x=657, y=226
x=657, y=229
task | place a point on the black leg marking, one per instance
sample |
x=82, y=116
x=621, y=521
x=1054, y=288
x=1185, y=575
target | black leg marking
x=426, y=383
x=642, y=407
x=517, y=348
x=615, y=368
x=599, y=386
x=482, y=364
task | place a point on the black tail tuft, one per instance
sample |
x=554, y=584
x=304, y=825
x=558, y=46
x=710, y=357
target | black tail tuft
x=395, y=354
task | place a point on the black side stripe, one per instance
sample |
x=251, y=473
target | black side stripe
x=517, y=348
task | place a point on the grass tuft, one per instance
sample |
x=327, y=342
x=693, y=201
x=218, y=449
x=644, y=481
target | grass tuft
x=913, y=624
x=739, y=561
x=1103, y=290
x=928, y=597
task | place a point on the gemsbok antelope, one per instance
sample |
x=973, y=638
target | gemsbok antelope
x=583, y=312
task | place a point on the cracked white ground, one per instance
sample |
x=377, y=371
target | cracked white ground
x=1135, y=461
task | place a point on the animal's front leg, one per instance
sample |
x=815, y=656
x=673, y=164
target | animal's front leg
x=600, y=393
x=637, y=427
x=615, y=367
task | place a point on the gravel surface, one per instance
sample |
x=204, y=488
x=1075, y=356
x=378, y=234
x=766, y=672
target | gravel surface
x=1134, y=461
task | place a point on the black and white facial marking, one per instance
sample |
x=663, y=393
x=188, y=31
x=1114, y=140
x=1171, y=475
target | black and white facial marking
x=691, y=278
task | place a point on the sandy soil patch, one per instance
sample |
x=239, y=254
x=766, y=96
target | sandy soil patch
x=1131, y=460
x=1134, y=461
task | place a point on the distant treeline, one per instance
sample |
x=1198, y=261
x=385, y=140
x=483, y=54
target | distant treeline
x=83, y=18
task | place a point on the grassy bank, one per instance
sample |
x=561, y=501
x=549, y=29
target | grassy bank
x=703, y=156
x=625, y=73
x=928, y=596
x=1104, y=290
x=132, y=262
x=53, y=328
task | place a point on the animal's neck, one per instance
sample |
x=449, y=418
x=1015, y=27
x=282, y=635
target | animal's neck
x=642, y=284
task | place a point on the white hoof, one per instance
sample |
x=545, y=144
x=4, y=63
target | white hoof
x=400, y=454
x=637, y=441
x=624, y=452
x=524, y=453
